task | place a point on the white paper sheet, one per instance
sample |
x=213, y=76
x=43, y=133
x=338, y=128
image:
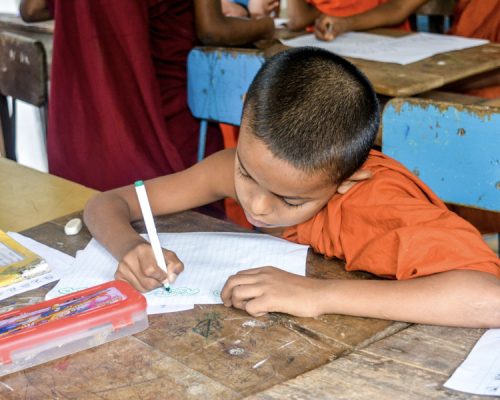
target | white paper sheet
x=209, y=259
x=59, y=262
x=403, y=50
x=280, y=23
x=480, y=372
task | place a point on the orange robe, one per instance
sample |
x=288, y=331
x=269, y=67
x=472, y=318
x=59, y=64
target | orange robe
x=478, y=19
x=346, y=8
x=393, y=226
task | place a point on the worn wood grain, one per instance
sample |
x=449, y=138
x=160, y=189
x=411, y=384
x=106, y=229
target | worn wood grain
x=412, y=364
x=236, y=355
x=123, y=369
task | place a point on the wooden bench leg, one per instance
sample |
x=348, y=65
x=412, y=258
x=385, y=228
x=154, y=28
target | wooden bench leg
x=44, y=121
x=8, y=127
x=203, y=139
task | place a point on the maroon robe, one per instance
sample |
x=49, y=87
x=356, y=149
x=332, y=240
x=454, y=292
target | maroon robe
x=118, y=104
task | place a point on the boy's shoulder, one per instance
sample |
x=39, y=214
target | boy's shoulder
x=391, y=181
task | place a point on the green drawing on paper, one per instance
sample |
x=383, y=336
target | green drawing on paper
x=216, y=294
x=182, y=291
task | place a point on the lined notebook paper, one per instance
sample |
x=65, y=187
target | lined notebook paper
x=402, y=50
x=480, y=372
x=209, y=259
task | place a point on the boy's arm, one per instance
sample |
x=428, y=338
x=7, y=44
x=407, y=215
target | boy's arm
x=108, y=214
x=301, y=14
x=34, y=10
x=214, y=28
x=455, y=298
x=391, y=13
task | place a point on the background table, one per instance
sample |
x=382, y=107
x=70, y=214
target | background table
x=218, y=77
x=29, y=197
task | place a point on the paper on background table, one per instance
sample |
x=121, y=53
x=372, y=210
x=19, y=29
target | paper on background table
x=209, y=259
x=280, y=23
x=59, y=262
x=402, y=50
x=480, y=372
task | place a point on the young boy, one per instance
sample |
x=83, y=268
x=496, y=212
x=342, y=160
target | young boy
x=303, y=169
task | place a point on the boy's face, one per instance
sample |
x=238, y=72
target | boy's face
x=272, y=192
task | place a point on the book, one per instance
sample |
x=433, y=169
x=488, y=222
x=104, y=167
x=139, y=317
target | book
x=17, y=263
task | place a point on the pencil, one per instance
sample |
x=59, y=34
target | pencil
x=329, y=28
x=150, y=227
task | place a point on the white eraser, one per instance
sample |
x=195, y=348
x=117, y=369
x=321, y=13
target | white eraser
x=73, y=226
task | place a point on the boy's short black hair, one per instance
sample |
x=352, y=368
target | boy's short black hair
x=315, y=110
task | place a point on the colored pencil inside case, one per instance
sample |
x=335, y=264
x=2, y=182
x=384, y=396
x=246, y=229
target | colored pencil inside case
x=55, y=328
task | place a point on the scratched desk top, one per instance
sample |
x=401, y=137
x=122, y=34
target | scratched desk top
x=216, y=352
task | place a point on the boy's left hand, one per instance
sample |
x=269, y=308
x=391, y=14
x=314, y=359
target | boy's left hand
x=269, y=289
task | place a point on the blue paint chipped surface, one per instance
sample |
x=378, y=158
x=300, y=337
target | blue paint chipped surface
x=218, y=81
x=455, y=151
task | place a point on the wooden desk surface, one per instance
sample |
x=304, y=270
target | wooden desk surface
x=29, y=197
x=434, y=72
x=396, y=80
x=14, y=23
x=214, y=352
x=42, y=31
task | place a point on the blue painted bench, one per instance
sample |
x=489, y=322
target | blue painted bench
x=453, y=148
x=217, y=82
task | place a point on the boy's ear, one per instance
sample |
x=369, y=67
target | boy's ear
x=359, y=176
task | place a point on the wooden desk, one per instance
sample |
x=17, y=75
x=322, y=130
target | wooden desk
x=29, y=197
x=25, y=60
x=213, y=352
x=42, y=31
x=219, y=77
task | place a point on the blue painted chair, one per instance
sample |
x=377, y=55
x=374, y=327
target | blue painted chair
x=453, y=148
x=217, y=83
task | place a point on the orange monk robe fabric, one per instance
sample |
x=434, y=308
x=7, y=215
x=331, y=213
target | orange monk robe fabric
x=478, y=19
x=393, y=226
x=346, y=8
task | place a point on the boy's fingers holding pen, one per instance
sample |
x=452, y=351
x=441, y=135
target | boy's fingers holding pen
x=127, y=275
x=174, y=265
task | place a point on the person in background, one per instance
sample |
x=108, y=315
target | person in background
x=250, y=8
x=118, y=102
x=478, y=19
x=334, y=17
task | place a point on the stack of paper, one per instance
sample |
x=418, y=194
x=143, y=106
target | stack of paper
x=402, y=50
x=26, y=264
x=209, y=259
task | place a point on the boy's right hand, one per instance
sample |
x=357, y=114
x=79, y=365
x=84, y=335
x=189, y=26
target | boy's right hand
x=139, y=268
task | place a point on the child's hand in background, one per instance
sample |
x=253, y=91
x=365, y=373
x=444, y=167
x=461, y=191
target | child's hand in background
x=261, y=8
x=139, y=268
x=230, y=9
x=269, y=289
x=328, y=28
